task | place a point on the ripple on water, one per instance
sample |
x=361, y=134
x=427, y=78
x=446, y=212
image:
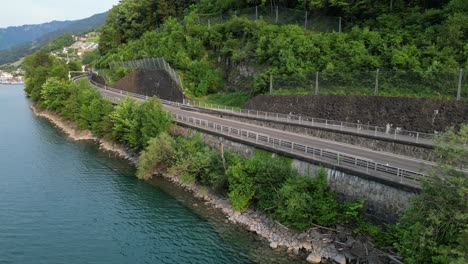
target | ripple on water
x=67, y=202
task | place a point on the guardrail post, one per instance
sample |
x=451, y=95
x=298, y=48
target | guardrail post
x=375, y=133
x=395, y=134
x=338, y=159
x=417, y=137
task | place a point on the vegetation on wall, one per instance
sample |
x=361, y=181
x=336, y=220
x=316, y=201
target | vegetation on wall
x=424, y=38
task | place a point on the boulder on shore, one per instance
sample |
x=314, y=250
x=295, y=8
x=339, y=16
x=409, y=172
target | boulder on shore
x=313, y=258
x=274, y=245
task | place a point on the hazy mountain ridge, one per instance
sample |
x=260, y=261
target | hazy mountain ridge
x=74, y=27
x=13, y=36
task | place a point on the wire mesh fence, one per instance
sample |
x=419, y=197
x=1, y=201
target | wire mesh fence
x=151, y=64
x=277, y=15
x=447, y=84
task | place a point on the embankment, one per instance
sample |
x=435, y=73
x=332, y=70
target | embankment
x=148, y=82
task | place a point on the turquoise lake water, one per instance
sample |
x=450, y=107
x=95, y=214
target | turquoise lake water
x=68, y=202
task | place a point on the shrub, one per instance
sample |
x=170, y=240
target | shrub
x=305, y=200
x=241, y=186
x=159, y=154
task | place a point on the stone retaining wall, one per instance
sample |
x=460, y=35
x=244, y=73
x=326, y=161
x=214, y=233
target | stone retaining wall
x=417, y=114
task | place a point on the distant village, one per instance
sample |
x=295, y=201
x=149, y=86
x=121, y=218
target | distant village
x=83, y=44
x=15, y=77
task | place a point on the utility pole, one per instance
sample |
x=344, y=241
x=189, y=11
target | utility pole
x=376, y=89
x=316, y=83
x=271, y=84
x=460, y=78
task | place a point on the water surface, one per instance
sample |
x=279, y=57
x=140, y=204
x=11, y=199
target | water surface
x=67, y=202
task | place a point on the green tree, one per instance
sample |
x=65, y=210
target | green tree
x=54, y=94
x=126, y=128
x=434, y=229
x=158, y=156
x=306, y=200
x=241, y=186
x=154, y=121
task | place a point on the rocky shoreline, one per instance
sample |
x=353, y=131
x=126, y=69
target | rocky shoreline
x=322, y=245
x=74, y=133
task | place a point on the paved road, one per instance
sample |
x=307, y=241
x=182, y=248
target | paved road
x=391, y=159
x=359, y=129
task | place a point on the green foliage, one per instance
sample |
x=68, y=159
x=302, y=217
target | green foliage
x=269, y=173
x=427, y=39
x=158, y=155
x=241, y=186
x=125, y=123
x=434, y=229
x=452, y=147
x=90, y=57
x=235, y=99
x=196, y=162
x=54, y=93
x=305, y=200
x=153, y=121
x=59, y=43
x=39, y=67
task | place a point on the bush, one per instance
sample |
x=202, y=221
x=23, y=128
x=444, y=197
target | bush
x=158, y=155
x=269, y=173
x=241, y=186
x=305, y=200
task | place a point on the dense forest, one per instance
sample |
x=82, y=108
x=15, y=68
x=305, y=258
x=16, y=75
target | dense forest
x=427, y=38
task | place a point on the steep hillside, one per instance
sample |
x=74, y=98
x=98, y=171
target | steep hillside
x=235, y=48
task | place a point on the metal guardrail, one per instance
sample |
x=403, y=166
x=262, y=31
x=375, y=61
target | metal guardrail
x=383, y=132
x=355, y=163
x=360, y=164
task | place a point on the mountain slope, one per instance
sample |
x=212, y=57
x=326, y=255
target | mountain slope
x=13, y=36
x=74, y=27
